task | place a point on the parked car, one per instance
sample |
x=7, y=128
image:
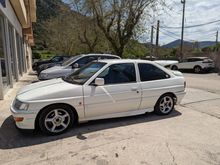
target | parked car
x=55, y=59
x=72, y=65
x=166, y=63
x=50, y=65
x=101, y=89
x=197, y=64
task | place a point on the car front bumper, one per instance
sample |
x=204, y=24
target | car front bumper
x=26, y=119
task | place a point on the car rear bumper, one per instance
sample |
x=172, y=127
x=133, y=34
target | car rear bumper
x=208, y=68
x=180, y=96
x=23, y=120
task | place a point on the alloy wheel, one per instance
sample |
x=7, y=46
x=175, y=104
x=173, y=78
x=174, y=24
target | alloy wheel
x=57, y=120
x=166, y=104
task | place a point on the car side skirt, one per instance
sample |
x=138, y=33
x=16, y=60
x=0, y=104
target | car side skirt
x=116, y=115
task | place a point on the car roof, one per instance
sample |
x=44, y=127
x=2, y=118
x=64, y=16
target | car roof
x=96, y=54
x=197, y=57
x=115, y=61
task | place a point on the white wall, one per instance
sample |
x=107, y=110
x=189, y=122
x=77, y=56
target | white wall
x=11, y=16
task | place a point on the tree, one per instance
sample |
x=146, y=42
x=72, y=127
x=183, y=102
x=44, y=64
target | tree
x=88, y=33
x=61, y=32
x=46, y=9
x=117, y=19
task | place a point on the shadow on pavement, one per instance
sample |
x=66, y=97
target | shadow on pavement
x=192, y=72
x=10, y=137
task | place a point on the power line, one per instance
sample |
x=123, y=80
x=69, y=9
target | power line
x=201, y=32
x=206, y=34
x=192, y=26
x=177, y=35
x=169, y=35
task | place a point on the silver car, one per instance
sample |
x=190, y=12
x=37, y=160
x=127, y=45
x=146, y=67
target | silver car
x=71, y=65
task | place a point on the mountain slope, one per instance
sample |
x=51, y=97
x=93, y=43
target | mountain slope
x=177, y=43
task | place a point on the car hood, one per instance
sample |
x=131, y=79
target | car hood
x=49, y=90
x=53, y=69
x=166, y=62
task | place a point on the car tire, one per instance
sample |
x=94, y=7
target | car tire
x=197, y=69
x=174, y=67
x=56, y=119
x=164, y=105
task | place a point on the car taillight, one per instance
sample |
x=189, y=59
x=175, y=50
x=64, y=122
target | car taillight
x=207, y=61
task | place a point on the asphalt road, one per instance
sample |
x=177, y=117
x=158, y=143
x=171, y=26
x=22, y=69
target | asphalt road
x=190, y=135
x=208, y=81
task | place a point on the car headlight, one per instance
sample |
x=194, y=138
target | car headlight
x=20, y=105
x=43, y=75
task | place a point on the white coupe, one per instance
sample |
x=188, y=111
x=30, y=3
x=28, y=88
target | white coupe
x=101, y=89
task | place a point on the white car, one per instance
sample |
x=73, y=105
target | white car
x=71, y=65
x=166, y=63
x=102, y=89
x=197, y=64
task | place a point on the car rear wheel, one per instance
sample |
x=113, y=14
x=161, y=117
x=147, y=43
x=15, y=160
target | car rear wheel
x=197, y=69
x=56, y=119
x=164, y=105
x=174, y=67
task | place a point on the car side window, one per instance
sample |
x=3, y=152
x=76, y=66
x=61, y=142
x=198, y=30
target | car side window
x=57, y=59
x=119, y=73
x=149, y=72
x=192, y=60
x=85, y=60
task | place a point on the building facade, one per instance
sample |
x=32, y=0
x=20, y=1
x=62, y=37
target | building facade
x=16, y=39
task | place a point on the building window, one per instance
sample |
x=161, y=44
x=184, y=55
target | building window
x=20, y=55
x=3, y=64
x=12, y=52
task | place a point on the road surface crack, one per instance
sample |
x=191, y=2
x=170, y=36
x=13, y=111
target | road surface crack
x=171, y=154
x=200, y=101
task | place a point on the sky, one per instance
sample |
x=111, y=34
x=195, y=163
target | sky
x=197, y=12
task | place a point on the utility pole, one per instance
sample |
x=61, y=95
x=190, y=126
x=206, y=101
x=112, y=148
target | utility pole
x=182, y=34
x=157, y=37
x=217, y=41
x=152, y=42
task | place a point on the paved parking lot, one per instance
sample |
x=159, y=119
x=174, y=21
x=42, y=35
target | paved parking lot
x=190, y=135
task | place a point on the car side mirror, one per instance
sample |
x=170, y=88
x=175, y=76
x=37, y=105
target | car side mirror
x=99, y=82
x=76, y=65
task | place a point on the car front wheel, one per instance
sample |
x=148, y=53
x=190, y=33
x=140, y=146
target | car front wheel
x=56, y=119
x=164, y=105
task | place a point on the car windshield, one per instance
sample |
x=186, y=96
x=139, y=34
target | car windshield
x=69, y=61
x=85, y=73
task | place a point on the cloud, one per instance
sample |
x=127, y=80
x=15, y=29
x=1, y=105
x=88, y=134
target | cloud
x=197, y=12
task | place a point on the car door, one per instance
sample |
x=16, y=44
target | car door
x=121, y=92
x=154, y=83
x=191, y=63
x=183, y=64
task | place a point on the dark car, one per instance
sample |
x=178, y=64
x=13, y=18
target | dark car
x=55, y=59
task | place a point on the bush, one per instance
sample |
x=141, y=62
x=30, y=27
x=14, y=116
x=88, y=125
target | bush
x=36, y=55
